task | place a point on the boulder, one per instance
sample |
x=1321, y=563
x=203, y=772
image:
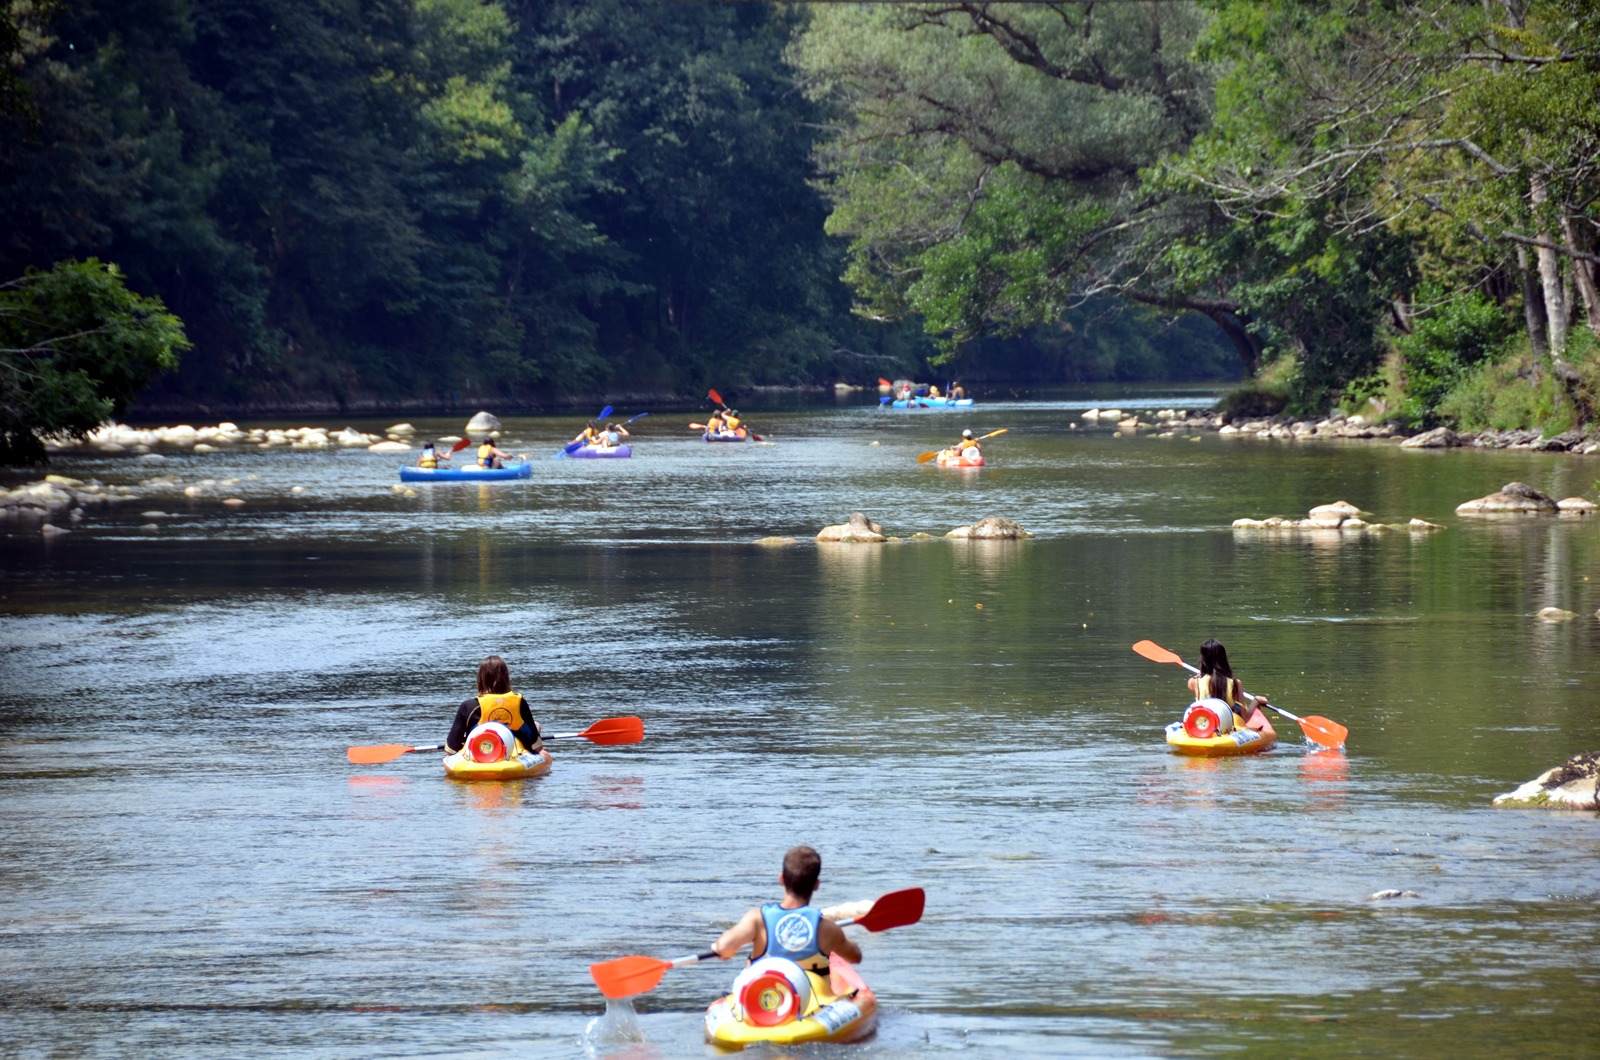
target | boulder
x=1573, y=785
x=1556, y=614
x=858, y=529
x=1514, y=498
x=776, y=542
x=992, y=528
x=1575, y=506
x=1438, y=438
x=483, y=423
x=388, y=447
x=1342, y=509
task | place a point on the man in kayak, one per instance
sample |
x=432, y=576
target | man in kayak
x=967, y=447
x=612, y=436
x=957, y=392
x=494, y=702
x=1216, y=681
x=792, y=928
x=731, y=421
x=490, y=455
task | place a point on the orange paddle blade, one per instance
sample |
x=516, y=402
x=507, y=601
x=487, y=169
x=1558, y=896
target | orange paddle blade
x=714, y=396
x=371, y=756
x=1156, y=653
x=1321, y=730
x=697, y=426
x=615, y=730
x=627, y=976
x=895, y=909
x=462, y=444
x=923, y=458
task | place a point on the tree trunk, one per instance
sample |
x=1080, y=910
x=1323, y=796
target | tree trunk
x=1532, y=305
x=1555, y=294
x=1584, y=272
x=1231, y=317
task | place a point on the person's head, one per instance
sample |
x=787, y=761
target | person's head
x=493, y=676
x=427, y=445
x=801, y=867
x=967, y=433
x=1214, y=659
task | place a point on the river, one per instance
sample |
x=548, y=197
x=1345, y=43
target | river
x=191, y=867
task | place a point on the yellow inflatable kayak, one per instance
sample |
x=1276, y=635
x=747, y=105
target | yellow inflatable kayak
x=792, y=1007
x=1208, y=729
x=493, y=753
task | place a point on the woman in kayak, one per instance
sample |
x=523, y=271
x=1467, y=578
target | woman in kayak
x=612, y=436
x=968, y=446
x=430, y=456
x=491, y=455
x=792, y=928
x=1216, y=681
x=590, y=435
x=494, y=702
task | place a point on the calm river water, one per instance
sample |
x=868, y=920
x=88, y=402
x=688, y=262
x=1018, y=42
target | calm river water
x=190, y=866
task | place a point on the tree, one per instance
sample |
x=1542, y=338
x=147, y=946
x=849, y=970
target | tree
x=75, y=346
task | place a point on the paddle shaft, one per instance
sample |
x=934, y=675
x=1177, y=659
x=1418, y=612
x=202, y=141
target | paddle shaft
x=694, y=958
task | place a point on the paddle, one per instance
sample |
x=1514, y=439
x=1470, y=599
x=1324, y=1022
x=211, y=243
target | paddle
x=462, y=444
x=1317, y=729
x=884, y=382
x=925, y=457
x=627, y=976
x=604, y=731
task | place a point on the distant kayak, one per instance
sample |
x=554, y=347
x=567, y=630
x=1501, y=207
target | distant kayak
x=949, y=459
x=521, y=469
x=740, y=435
x=930, y=403
x=492, y=752
x=601, y=452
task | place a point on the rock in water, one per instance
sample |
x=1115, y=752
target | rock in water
x=1570, y=786
x=483, y=423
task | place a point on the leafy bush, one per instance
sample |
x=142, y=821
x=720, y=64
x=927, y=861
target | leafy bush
x=1443, y=347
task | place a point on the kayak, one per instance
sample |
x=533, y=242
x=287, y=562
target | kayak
x=746, y=1016
x=601, y=452
x=493, y=753
x=740, y=435
x=1199, y=734
x=930, y=403
x=947, y=459
x=521, y=469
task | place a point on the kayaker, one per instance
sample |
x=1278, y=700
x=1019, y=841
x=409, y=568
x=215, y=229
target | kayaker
x=731, y=421
x=588, y=436
x=612, y=436
x=793, y=927
x=714, y=422
x=430, y=456
x=933, y=390
x=967, y=447
x=494, y=702
x=490, y=455
x=1216, y=681
x=957, y=392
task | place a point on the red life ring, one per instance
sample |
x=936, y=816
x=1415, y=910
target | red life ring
x=490, y=743
x=1207, y=718
x=769, y=1000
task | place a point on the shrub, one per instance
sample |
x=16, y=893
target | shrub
x=1443, y=347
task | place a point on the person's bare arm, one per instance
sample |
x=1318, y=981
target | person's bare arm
x=832, y=939
x=739, y=936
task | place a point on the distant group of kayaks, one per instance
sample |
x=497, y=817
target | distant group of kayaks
x=601, y=440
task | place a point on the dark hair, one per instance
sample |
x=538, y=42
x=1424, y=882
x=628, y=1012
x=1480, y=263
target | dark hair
x=1214, y=662
x=494, y=676
x=801, y=867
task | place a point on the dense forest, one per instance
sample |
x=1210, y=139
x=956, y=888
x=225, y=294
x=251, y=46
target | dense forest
x=1394, y=206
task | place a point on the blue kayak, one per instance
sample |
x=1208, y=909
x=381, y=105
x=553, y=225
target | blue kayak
x=601, y=452
x=931, y=403
x=521, y=469
x=741, y=435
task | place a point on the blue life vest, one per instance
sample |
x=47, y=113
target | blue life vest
x=792, y=933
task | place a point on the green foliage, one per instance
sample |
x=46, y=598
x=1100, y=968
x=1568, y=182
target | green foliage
x=1443, y=347
x=75, y=346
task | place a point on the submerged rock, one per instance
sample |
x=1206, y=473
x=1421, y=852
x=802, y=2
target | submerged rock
x=1573, y=785
x=776, y=542
x=858, y=529
x=992, y=528
x=1556, y=614
x=1514, y=498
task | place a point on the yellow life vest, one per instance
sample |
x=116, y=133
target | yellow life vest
x=506, y=708
x=731, y=423
x=486, y=454
x=1202, y=690
x=429, y=459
